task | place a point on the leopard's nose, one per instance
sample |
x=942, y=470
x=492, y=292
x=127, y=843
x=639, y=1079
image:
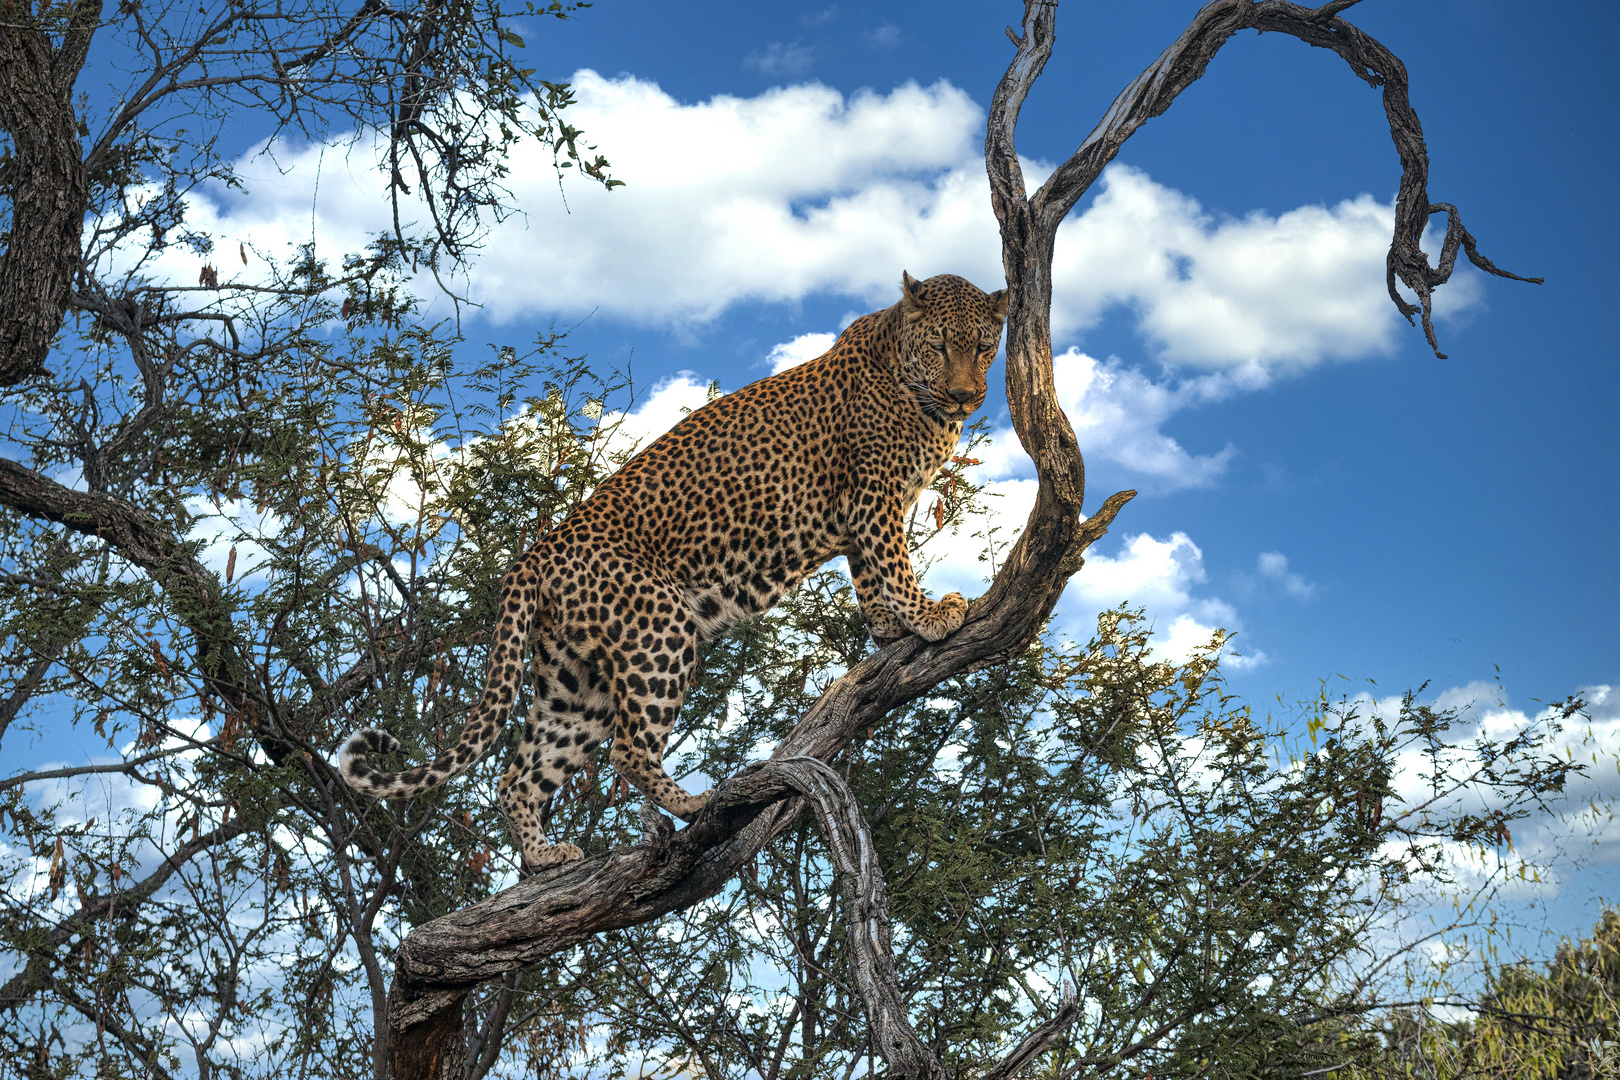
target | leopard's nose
x=961, y=397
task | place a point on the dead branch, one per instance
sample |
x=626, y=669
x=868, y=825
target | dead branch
x=440, y=962
x=1176, y=69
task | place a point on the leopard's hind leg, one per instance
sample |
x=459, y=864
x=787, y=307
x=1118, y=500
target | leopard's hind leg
x=652, y=668
x=569, y=717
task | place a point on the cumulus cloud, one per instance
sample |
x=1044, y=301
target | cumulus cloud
x=661, y=409
x=886, y=36
x=1163, y=575
x=793, y=353
x=1272, y=566
x=801, y=190
x=1160, y=575
x=1291, y=290
x=1118, y=411
x=777, y=60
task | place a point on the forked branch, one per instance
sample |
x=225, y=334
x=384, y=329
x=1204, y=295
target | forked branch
x=1152, y=92
x=438, y=963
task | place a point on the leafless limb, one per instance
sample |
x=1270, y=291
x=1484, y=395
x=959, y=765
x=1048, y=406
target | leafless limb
x=440, y=961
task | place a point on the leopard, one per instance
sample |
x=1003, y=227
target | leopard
x=712, y=523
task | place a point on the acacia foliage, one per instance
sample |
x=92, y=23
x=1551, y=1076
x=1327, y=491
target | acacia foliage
x=1554, y=1020
x=210, y=897
x=1086, y=814
x=1089, y=816
x=207, y=565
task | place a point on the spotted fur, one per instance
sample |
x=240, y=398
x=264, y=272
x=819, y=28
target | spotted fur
x=711, y=523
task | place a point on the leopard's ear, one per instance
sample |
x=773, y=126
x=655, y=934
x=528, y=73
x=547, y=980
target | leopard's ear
x=998, y=303
x=910, y=298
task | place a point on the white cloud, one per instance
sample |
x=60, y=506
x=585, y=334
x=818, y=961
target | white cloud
x=1161, y=575
x=886, y=36
x=1117, y=414
x=1294, y=289
x=793, y=353
x=668, y=402
x=1273, y=566
x=777, y=60
x=801, y=190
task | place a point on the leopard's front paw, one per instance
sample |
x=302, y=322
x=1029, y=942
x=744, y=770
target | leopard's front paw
x=688, y=808
x=549, y=856
x=945, y=619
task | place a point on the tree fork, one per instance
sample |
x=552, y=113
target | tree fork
x=440, y=962
x=50, y=187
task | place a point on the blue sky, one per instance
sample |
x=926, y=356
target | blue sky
x=1356, y=508
x=1448, y=515
x=1311, y=475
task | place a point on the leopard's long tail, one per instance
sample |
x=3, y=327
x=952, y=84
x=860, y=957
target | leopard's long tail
x=501, y=686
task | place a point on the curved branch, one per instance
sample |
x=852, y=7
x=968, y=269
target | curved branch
x=128, y=766
x=171, y=564
x=439, y=962
x=45, y=655
x=1180, y=65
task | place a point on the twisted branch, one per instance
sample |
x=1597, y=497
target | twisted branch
x=438, y=963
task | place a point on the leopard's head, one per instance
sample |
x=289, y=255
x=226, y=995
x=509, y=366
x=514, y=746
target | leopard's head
x=948, y=339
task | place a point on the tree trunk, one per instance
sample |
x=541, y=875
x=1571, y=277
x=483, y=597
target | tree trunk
x=50, y=188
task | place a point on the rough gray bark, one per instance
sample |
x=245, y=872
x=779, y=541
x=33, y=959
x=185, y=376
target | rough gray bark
x=50, y=188
x=438, y=963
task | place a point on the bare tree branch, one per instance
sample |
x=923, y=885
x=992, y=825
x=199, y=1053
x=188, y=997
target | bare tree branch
x=1179, y=66
x=128, y=766
x=440, y=961
x=45, y=655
